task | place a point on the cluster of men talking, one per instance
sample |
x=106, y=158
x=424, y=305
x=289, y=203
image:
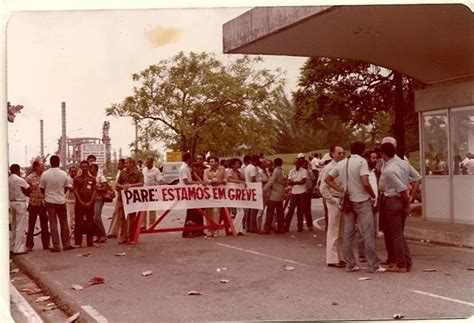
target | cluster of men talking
x=378, y=184
x=68, y=205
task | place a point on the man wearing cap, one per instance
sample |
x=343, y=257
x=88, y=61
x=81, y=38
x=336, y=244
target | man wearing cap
x=395, y=182
x=297, y=180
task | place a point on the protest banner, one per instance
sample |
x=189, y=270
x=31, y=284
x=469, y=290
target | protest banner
x=179, y=197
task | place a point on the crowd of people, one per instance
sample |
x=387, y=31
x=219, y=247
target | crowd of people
x=365, y=191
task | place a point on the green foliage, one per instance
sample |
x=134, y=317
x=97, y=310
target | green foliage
x=357, y=94
x=196, y=103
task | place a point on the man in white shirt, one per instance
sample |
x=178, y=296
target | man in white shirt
x=18, y=190
x=334, y=255
x=297, y=180
x=251, y=176
x=114, y=223
x=360, y=196
x=186, y=178
x=152, y=177
x=54, y=184
x=315, y=164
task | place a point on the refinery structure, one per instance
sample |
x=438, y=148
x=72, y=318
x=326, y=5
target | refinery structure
x=73, y=150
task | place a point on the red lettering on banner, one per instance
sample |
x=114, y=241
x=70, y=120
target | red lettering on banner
x=254, y=194
x=199, y=193
x=238, y=195
x=222, y=194
x=207, y=194
x=215, y=195
x=230, y=194
x=136, y=196
x=128, y=196
x=152, y=194
x=144, y=195
x=184, y=194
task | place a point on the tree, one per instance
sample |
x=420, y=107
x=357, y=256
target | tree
x=360, y=94
x=297, y=135
x=196, y=103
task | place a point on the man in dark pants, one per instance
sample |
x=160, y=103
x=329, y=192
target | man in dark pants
x=396, y=175
x=276, y=184
x=54, y=184
x=85, y=192
x=297, y=180
x=414, y=178
x=36, y=207
x=193, y=216
x=186, y=178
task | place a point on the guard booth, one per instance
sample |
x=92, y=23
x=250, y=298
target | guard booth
x=447, y=138
x=432, y=43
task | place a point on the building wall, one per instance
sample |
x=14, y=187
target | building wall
x=456, y=93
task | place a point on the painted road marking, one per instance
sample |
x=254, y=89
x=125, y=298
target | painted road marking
x=96, y=315
x=263, y=254
x=315, y=223
x=23, y=306
x=443, y=297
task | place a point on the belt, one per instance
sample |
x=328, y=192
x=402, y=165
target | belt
x=17, y=200
x=393, y=197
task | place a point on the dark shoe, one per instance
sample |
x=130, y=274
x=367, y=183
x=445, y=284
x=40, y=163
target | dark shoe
x=310, y=229
x=111, y=236
x=29, y=249
x=342, y=262
x=300, y=229
x=68, y=248
x=240, y=234
x=362, y=259
x=102, y=240
x=54, y=249
x=336, y=265
x=19, y=253
x=396, y=269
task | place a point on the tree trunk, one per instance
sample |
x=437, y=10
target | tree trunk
x=184, y=144
x=399, y=124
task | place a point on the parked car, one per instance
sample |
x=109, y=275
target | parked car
x=170, y=172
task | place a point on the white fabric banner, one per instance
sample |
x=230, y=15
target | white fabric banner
x=176, y=197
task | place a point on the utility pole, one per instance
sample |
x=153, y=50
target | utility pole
x=63, y=136
x=41, y=139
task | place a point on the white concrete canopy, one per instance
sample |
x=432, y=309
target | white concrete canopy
x=432, y=43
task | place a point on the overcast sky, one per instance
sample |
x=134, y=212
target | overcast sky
x=86, y=58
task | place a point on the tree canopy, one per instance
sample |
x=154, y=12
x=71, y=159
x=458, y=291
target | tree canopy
x=193, y=102
x=361, y=95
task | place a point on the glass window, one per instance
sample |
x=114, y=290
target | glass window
x=435, y=143
x=462, y=140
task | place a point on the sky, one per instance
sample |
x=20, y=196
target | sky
x=86, y=59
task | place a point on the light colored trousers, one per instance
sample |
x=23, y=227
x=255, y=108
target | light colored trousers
x=114, y=223
x=238, y=221
x=19, y=226
x=70, y=215
x=334, y=235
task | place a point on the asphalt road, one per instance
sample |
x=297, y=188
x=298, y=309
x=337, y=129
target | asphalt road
x=258, y=287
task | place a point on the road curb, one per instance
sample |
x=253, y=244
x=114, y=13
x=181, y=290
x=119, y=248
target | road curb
x=50, y=286
x=449, y=238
